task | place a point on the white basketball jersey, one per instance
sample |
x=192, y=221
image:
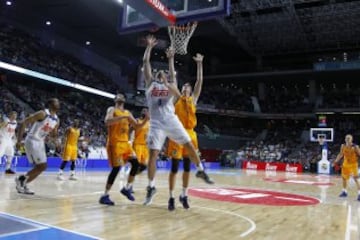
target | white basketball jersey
x=8, y=131
x=41, y=129
x=160, y=101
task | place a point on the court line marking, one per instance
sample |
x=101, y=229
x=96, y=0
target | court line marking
x=50, y=226
x=294, y=199
x=23, y=232
x=244, y=234
x=348, y=224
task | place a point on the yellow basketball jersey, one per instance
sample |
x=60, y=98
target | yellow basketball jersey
x=119, y=131
x=185, y=109
x=72, y=136
x=350, y=155
x=141, y=133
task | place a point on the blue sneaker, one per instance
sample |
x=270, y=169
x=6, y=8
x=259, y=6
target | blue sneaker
x=343, y=194
x=150, y=192
x=105, y=199
x=184, y=201
x=358, y=198
x=171, y=204
x=127, y=193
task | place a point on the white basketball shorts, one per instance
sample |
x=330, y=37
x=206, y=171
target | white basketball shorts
x=6, y=147
x=170, y=127
x=35, y=151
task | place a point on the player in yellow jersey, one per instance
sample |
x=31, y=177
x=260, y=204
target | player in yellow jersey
x=185, y=109
x=70, y=150
x=118, y=121
x=350, y=152
x=139, y=141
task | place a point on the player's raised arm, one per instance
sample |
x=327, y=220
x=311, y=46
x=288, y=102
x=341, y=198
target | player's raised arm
x=199, y=76
x=150, y=43
x=172, y=84
x=38, y=116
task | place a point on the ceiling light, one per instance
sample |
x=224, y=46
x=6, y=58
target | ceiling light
x=9, y=3
x=48, y=23
x=88, y=43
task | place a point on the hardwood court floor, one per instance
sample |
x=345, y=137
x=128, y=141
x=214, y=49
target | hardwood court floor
x=74, y=206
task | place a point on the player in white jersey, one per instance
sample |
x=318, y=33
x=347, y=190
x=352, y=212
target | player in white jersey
x=163, y=122
x=44, y=123
x=7, y=139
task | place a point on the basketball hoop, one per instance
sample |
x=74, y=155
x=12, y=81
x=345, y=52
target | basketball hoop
x=180, y=36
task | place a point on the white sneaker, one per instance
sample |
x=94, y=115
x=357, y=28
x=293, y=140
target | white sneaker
x=60, y=177
x=19, y=185
x=72, y=177
x=28, y=191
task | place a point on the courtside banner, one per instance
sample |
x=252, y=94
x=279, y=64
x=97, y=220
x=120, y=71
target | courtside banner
x=277, y=167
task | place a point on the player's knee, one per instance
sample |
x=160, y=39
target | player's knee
x=186, y=164
x=134, y=166
x=141, y=168
x=174, y=165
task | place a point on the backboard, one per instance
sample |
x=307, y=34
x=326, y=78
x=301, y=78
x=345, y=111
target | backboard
x=327, y=134
x=139, y=15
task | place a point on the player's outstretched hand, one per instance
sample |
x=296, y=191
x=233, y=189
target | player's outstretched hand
x=151, y=41
x=198, y=58
x=170, y=52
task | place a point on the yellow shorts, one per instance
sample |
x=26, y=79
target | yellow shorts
x=119, y=153
x=70, y=153
x=349, y=170
x=177, y=151
x=142, y=153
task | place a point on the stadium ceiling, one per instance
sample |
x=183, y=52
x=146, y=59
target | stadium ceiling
x=255, y=27
x=278, y=27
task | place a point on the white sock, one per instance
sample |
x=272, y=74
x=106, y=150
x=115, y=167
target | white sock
x=8, y=163
x=344, y=190
x=128, y=185
x=200, y=167
x=61, y=172
x=152, y=183
x=106, y=192
x=172, y=194
x=358, y=192
x=72, y=172
x=184, y=192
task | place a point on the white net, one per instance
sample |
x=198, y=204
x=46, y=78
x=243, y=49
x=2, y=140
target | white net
x=180, y=36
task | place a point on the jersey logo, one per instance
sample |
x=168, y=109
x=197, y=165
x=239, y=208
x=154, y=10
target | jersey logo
x=159, y=92
x=46, y=128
